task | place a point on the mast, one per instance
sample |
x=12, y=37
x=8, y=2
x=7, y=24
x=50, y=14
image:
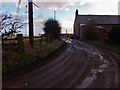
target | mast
x=54, y=15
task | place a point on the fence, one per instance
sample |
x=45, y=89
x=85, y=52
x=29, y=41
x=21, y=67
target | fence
x=17, y=43
x=13, y=43
x=9, y=43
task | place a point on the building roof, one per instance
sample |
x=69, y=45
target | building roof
x=100, y=19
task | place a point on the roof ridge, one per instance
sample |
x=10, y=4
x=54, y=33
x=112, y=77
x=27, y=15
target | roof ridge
x=97, y=15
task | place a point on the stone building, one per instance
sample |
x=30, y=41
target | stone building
x=102, y=21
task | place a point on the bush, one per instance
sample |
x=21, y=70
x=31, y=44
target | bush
x=114, y=35
x=52, y=28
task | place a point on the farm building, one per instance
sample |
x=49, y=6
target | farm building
x=103, y=22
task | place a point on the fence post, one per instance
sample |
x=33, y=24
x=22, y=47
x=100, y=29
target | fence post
x=20, y=43
x=2, y=41
x=41, y=37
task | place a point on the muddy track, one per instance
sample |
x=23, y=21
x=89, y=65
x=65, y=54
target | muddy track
x=80, y=65
x=115, y=60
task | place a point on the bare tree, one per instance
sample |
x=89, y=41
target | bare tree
x=9, y=25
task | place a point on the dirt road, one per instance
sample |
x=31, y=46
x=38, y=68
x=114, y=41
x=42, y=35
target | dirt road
x=80, y=65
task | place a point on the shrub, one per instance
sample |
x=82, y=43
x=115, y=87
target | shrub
x=52, y=28
x=90, y=30
x=114, y=35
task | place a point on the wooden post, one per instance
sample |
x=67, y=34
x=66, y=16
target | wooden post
x=31, y=34
x=41, y=39
x=48, y=38
x=20, y=43
x=2, y=42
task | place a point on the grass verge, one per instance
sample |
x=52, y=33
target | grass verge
x=14, y=63
x=114, y=48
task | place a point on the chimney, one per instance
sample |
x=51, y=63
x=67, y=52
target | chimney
x=76, y=12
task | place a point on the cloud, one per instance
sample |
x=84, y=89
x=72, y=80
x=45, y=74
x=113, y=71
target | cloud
x=67, y=9
x=56, y=4
x=43, y=5
x=61, y=5
x=51, y=5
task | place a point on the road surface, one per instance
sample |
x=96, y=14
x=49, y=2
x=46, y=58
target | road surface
x=80, y=65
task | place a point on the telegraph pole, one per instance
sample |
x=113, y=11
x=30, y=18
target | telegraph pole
x=31, y=33
x=54, y=15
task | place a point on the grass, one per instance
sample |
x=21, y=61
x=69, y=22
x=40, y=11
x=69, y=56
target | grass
x=12, y=61
x=107, y=45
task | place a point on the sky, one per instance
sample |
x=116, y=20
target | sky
x=65, y=11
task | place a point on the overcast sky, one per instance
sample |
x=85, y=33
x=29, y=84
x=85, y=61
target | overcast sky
x=65, y=10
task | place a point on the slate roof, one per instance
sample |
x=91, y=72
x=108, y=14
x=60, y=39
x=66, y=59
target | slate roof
x=100, y=19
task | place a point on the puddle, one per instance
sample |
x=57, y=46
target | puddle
x=97, y=54
x=103, y=66
x=86, y=83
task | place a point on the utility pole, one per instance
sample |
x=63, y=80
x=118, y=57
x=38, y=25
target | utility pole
x=31, y=33
x=54, y=15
